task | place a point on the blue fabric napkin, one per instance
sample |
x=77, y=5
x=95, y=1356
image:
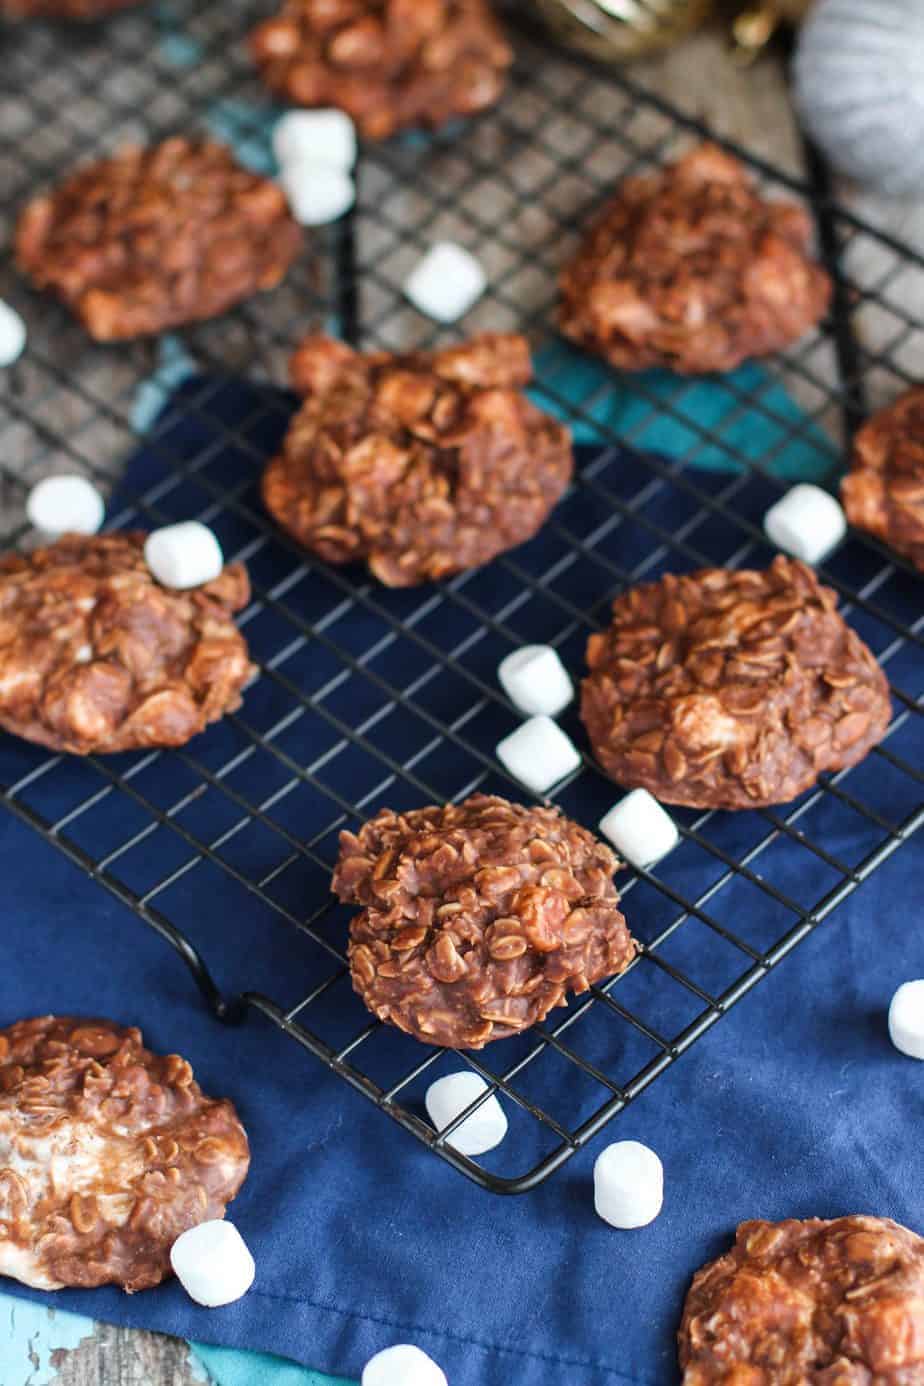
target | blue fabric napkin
x=794, y=1104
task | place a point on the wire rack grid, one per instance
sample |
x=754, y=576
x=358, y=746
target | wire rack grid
x=367, y=697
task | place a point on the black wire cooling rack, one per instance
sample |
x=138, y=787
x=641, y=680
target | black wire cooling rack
x=369, y=698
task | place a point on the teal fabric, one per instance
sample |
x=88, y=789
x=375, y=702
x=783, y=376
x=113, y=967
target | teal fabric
x=228, y=1367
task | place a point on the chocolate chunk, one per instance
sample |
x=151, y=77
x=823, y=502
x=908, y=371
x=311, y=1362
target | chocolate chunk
x=107, y=1153
x=389, y=64
x=691, y=269
x=154, y=238
x=884, y=491
x=727, y=689
x=96, y=656
x=478, y=918
x=809, y=1304
x=420, y=465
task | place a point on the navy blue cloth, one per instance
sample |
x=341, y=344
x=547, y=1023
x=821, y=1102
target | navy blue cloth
x=793, y=1105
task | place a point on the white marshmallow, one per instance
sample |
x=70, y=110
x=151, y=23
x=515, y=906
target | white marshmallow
x=65, y=505
x=184, y=555
x=315, y=137
x=446, y=282
x=538, y=754
x=536, y=681
x=628, y=1184
x=402, y=1365
x=317, y=194
x=12, y=335
x=449, y=1096
x=639, y=829
x=807, y=522
x=212, y=1263
x=906, y=1019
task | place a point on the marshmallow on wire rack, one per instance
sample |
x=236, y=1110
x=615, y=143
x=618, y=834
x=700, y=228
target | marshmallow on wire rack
x=446, y=282
x=402, y=1365
x=538, y=754
x=639, y=828
x=906, y=1019
x=12, y=335
x=326, y=137
x=536, y=681
x=449, y=1096
x=807, y=523
x=628, y=1185
x=184, y=555
x=316, y=193
x=65, y=505
x=212, y=1263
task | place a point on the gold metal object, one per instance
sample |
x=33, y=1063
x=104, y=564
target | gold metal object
x=622, y=29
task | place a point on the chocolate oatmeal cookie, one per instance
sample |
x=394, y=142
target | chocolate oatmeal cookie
x=730, y=689
x=809, y=1304
x=389, y=64
x=884, y=491
x=420, y=465
x=478, y=918
x=154, y=238
x=96, y=656
x=107, y=1153
x=691, y=269
x=61, y=9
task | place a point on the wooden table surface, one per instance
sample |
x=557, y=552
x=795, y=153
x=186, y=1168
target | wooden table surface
x=752, y=107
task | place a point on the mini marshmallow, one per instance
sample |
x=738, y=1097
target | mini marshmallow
x=538, y=754
x=536, y=681
x=65, y=505
x=402, y=1365
x=807, y=522
x=639, y=829
x=315, y=137
x=212, y=1263
x=628, y=1184
x=316, y=193
x=906, y=1019
x=12, y=335
x=184, y=555
x=446, y=283
x=449, y=1096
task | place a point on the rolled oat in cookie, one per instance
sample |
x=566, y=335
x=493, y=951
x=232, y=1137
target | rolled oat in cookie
x=809, y=1303
x=884, y=490
x=478, y=918
x=96, y=656
x=725, y=689
x=107, y=1153
x=156, y=237
x=420, y=465
x=692, y=269
x=389, y=64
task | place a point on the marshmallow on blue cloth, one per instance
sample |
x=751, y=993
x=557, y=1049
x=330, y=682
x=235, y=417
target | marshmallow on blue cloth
x=536, y=681
x=65, y=505
x=639, y=829
x=450, y=1096
x=538, y=754
x=446, y=283
x=906, y=1019
x=807, y=523
x=628, y=1185
x=212, y=1263
x=184, y=555
x=402, y=1365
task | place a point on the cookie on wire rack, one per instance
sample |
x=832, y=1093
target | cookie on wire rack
x=107, y=1153
x=884, y=491
x=693, y=270
x=478, y=918
x=421, y=464
x=97, y=656
x=731, y=689
x=157, y=237
x=390, y=64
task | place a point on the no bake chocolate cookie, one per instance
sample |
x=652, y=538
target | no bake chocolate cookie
x=809, y=1304
x=691, y=269
x=96, y=656
x=884, y=491
x=389, y=64
x=420, y=465
x=478, y=918
x=154, y=238
x=727, y=689
x=107, y=1153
